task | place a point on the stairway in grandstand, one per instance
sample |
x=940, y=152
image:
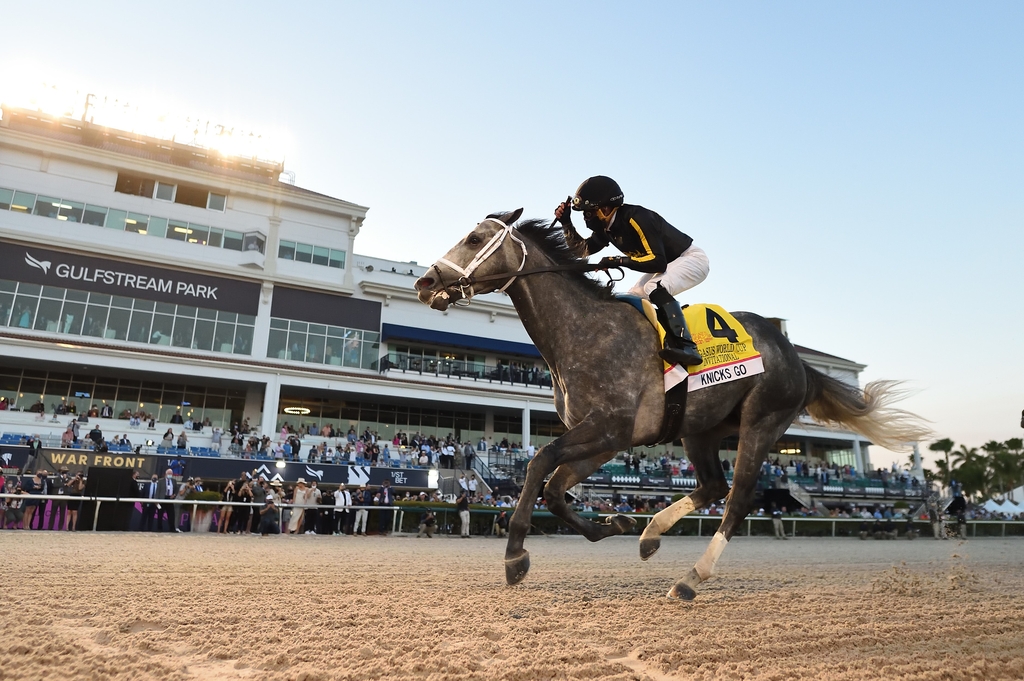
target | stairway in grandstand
x=448, y=482
x=800, y=494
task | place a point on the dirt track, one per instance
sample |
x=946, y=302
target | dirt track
x=134, y=606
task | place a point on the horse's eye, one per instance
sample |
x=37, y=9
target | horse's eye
x=473, y=240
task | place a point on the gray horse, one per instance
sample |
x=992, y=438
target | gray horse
x=609, y=389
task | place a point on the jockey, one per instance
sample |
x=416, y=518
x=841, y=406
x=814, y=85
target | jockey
x=670, y=262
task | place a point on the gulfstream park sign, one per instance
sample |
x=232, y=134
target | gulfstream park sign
x=88, y=273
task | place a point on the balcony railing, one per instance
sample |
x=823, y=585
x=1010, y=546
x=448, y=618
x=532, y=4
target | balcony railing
x=506, y=374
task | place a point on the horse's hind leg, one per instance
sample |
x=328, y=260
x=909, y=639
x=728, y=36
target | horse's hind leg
x=711, y=486
x=754, y=443
x=566, y=476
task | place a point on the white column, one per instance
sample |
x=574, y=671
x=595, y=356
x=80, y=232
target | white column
x=526, y=426
x=271, y=401
x=858, y=458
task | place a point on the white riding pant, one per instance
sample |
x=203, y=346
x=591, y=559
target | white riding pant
x=361, y=516
x=681, y=274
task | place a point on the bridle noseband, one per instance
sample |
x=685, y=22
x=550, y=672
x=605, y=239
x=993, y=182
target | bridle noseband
x=465, y=284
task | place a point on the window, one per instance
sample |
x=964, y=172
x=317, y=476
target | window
x=157, y=227
x=321, y=255
x=232, y=240
x=337, y=259
x=216, y=237
x=116, y=219
x=303, y=253
x=94, y=215
x=164, y=191
x=216, y=202
x=46, y=206
x=177, y=230
x=71, y=211
x=286, y=250
x=134, y=184
x=191, y=196
x=253, y=241
x=6, y=196
x=135, y=222
x=199, y=235
x=22, y=202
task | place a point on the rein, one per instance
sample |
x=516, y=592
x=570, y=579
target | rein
x=464, y=285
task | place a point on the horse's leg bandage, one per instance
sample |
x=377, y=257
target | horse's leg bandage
x=705, y=567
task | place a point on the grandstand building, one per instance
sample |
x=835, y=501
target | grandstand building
x=148, y=274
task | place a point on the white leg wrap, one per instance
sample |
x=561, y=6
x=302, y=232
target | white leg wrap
x=705, y=567
x=664, y=519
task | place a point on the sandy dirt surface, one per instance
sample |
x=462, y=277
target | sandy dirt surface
x=161, y=606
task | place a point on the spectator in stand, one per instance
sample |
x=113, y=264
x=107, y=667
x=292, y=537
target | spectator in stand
x=67, y=439
x=107, y=412
x=176, y=418
x=182, y=440
x=168, y=440
x=215, y=439
x=471, y=485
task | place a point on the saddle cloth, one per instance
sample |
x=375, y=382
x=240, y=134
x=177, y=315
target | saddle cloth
x=728, y=350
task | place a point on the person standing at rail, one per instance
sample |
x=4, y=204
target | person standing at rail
x=780, y=531
x=462, y=505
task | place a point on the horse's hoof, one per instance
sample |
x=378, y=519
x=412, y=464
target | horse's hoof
x=622, y=523
x=516, y=568
x=649, y=547
x=682, y=591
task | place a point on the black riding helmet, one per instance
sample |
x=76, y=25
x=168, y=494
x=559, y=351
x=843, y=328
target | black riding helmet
x=597, y=192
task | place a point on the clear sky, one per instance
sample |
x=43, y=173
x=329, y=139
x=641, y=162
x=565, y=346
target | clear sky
x=855, y=168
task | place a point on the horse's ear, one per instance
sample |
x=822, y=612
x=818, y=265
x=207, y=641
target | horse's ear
x=507, y=218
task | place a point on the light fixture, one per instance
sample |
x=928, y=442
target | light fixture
x=149, y=443
x=279, y=464
x=131, y=222
x=296, y=411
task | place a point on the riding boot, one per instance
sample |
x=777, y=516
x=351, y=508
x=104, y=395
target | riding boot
x=679, y=347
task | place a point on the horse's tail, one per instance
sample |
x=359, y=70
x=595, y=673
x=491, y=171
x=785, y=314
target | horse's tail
x=867, y=412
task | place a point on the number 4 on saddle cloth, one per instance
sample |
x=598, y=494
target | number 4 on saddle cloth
x=728, y=350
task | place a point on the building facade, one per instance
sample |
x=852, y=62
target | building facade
x=161, y=278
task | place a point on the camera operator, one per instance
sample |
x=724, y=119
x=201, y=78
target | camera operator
x=268, y=517
x=428, y=522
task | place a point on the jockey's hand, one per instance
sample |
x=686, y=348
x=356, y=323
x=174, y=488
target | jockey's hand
x=613, y=261
x=563, y=213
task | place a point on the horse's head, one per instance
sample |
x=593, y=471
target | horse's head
x=490, y=249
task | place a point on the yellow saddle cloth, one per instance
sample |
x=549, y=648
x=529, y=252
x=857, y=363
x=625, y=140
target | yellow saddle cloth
x=728, y=350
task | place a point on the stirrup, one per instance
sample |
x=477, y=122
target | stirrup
x=685, y=356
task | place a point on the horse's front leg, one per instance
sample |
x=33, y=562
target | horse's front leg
x=565, y=477
x=595, y=435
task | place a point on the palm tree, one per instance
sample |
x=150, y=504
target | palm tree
x=945, y=445
x=971, y=471
x=942, y=473
x=1015, y=449
x=1001, y=464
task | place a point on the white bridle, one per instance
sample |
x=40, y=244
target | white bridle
x=486, y=252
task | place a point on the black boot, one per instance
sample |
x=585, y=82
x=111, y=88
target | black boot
x=679, y=347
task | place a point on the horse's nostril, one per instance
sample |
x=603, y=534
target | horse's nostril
x=424, y=282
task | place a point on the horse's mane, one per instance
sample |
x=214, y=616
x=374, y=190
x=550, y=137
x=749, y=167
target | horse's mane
x=550, y=238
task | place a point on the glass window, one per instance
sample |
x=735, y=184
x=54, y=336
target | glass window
x=227, y=316
x=223, y=337
x=116, y=219
x=286, y=250
x=164, y=191
x=253, y=241
x=216, y=237
x=203, y=313
x=278, y=323
x=6, y=196
x=177, y=230
x=200, y=234
x=71, y=211
x=95, y=320
x=232, y=240
x=315, y=349
x=94, y=215
x=54, y=292
x=23, y=202
x=73, y=316
x=6, y=304
x=48, y=316
x=99, y=299
x=296, y=345
x=246, y=319
x=203, y=339
x=321, y=255
x=351, y=353
x=182, y=337
x=47, y=207
x=136, y=222
x=146, y=305
x=318, y=329
x=77, y=296
x=303, y=253
x=165, y=308
x=337, y=259
x=139, y=329
x=243, y=340
x=157, y=227
x=24, y=311
x=117, y=324
x=277, y=345
x=162, y=325
x=187, y=311
x=217, y=202
x=122, y=301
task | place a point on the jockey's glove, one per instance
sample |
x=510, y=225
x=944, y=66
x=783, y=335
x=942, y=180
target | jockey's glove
x=614, y=261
